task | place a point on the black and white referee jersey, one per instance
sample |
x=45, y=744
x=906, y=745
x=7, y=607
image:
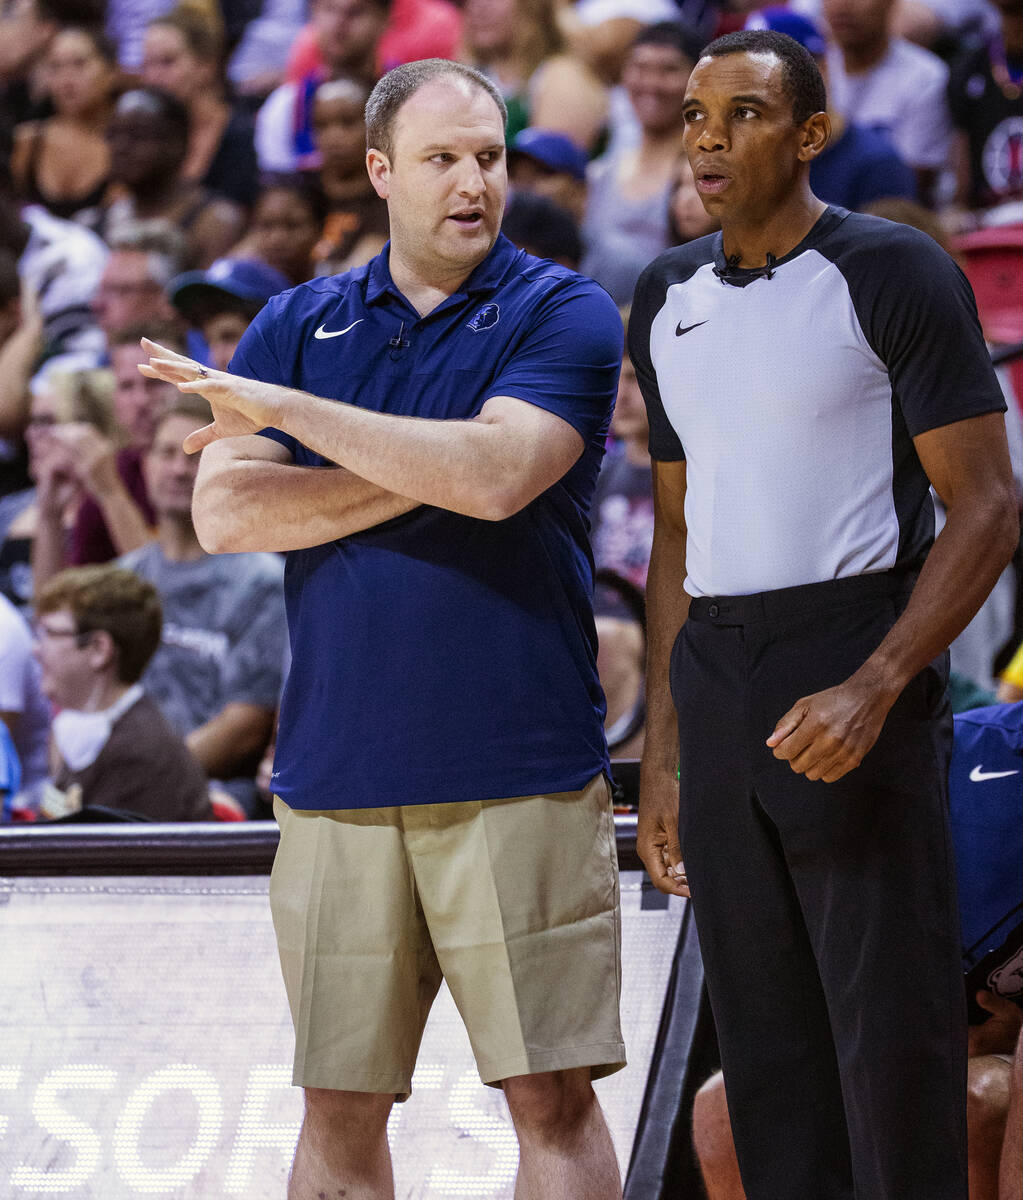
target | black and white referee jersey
x=793, y=395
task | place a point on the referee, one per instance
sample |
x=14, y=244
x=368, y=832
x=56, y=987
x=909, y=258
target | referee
x=808, y=374
x=434, y=425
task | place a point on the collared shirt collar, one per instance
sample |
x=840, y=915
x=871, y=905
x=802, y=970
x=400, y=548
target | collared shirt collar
x=484, y=278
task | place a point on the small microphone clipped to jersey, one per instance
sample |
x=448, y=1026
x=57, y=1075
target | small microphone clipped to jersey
x=731, y=265
x=398, y=343
x=738, y=276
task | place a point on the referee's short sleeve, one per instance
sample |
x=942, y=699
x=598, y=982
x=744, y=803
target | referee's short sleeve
x=920, y=317
x=650, y=292
x=255, y=357
x=568, y=360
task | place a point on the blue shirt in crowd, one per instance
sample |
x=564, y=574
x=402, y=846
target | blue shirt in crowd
x=439, y=657
x=861, y=166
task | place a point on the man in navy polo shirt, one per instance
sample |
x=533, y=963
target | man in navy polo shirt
x=441, y=766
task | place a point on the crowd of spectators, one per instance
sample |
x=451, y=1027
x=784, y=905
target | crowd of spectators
x=165, y=167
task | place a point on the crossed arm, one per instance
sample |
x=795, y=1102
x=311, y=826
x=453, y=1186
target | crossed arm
x=249, y=495
x=826, y=735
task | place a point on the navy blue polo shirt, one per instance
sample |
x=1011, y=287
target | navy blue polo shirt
x=985, y=783
x=438, y=657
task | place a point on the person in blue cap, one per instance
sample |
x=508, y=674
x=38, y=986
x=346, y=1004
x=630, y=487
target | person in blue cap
x=549, y=164
x=222, y=301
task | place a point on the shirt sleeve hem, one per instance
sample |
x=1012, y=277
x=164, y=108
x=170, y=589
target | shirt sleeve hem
x=940, y=422
x=543, y=402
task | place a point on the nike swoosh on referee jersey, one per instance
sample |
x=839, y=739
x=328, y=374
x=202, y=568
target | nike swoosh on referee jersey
x=679, y=331
x=978, y=774
x=321, y=333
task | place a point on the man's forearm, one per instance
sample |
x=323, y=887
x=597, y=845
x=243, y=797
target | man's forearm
x=256, y=504
x=657, y=829
x=472, y=467
x=18, y=356
x=965, y=561
x=667, y=606
x=49, y=549
x=826, y=735
x=124, y=519
x=489, y=466
x=232, y=740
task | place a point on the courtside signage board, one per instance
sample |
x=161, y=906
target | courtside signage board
x=145, y=1048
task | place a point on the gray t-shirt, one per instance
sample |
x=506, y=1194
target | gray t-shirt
x=902, y=96
x=224, y=632
x=622, y=235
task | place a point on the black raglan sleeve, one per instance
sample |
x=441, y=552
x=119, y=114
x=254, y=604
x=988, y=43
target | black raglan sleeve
x=917, y=311
x=650, y=292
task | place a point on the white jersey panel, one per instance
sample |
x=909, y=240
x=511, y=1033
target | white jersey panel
x=786, y=484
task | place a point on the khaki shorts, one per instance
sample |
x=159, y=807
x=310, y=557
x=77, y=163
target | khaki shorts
x=514, y=902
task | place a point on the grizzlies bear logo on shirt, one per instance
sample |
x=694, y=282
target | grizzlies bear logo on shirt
x=486, y=318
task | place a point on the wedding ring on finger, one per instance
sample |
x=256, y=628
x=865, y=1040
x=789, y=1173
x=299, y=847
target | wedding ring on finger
x=201, y=373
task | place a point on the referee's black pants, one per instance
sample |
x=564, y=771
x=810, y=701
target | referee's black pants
x=826, y=912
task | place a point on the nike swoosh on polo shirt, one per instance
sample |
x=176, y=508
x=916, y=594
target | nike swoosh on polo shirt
x=321, y=333
x=978, y=774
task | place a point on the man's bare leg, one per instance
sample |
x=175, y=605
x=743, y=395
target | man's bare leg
x=1011, y=1178
x=342, y=1150
x=987, y=1106
x=712, y=1140
x=565, y=1148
